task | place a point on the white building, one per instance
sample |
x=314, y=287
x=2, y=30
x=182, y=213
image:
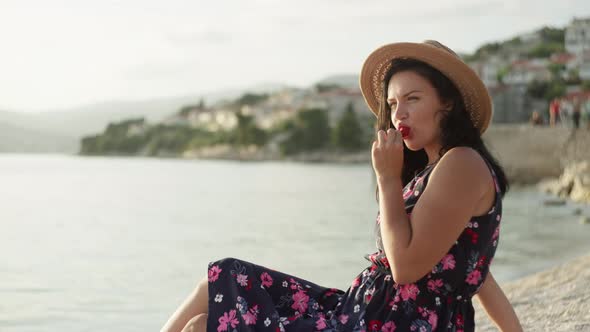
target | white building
x=488, y=70
x=526, y=71
x=577, y=36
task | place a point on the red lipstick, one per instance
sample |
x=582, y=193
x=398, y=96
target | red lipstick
x=405, y=131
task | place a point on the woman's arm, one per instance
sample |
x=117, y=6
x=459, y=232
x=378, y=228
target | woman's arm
x=497, y=306
x=445, y=207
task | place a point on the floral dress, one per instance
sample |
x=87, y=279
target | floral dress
x=247, y=297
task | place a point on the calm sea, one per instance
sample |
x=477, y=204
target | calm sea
x=115, y=244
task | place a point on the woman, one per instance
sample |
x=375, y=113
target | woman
x=440, y=201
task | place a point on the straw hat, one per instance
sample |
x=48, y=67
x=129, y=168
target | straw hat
x=475, y=95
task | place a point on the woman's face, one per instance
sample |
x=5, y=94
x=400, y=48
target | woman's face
x=415, y=104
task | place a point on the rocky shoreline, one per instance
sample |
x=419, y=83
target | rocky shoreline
x=573, y=184
x=554, y=300
x=528, y=154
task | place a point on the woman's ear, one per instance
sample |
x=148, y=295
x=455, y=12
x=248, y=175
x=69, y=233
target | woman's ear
x=448, y=105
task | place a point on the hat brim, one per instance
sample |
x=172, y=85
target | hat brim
x=475, y=95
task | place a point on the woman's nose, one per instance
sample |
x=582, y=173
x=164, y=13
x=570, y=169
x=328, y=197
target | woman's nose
x=400, y=113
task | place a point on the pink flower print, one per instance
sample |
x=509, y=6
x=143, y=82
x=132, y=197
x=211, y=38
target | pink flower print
x=266, y=279
x=330, y=292
x=407, y=193
x=418, y=181
x=496, y=233
x=343, y=319
x=300, y=301
x=473, y=277
x=459, y=320
x=448, y=262
x=375, y=325
x=473, y=235
x=434, y=285
x=388, y=327
x=481, y=261
x=433, y=319
x=227, y=319
x=242, y=279
x=213, y=273
x=250, y=316
x=423, y=311
x=294, y=284
x=320, y=324
x=392, y=303
x=409, y=291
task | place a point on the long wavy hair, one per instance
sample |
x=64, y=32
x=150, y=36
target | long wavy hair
x=457, y=129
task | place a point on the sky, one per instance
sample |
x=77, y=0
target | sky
x=62, y=54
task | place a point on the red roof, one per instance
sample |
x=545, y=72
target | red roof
x=585, y=95
x=562, y=58
x=526, y=64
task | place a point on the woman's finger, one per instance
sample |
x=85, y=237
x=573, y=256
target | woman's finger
x=391, y=135
x=381, y=137
x=398, y=138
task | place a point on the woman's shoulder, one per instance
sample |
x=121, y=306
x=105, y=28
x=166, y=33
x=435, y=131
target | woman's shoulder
x=462, y=165
x=463, y=156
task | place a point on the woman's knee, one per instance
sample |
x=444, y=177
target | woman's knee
x=203, y=283
x=196, y=324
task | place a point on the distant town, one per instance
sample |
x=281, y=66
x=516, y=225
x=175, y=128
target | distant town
x=523, y=74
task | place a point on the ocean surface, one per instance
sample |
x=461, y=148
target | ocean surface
x=115, y=244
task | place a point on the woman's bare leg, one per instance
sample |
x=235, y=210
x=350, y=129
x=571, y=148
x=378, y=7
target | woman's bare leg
x=196, y=324
x=194, y=305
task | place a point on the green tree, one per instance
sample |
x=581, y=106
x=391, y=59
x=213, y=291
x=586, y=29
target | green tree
x=325, y=87
x=546, y=90
x=348, y=134
x=502, y=72
x=555, y=89
x=544, y=50
x=310, y=131
x=573, y=76
x=247, y=132
x=553, y=35
x=556, y=69
x=251, y=99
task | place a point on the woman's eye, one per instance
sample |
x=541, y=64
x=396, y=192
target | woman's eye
x=413, y=98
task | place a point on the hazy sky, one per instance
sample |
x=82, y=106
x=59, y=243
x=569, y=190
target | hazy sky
x=59, y=54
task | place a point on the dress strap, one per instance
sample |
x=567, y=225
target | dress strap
x=494, y=176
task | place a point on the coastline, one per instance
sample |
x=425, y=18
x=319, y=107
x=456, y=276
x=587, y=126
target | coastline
x=528, y=154
x=557, y=299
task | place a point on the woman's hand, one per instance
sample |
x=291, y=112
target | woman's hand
x=387, y=154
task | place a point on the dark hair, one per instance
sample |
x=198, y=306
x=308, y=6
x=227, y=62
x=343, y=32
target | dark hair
x=456, y=126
